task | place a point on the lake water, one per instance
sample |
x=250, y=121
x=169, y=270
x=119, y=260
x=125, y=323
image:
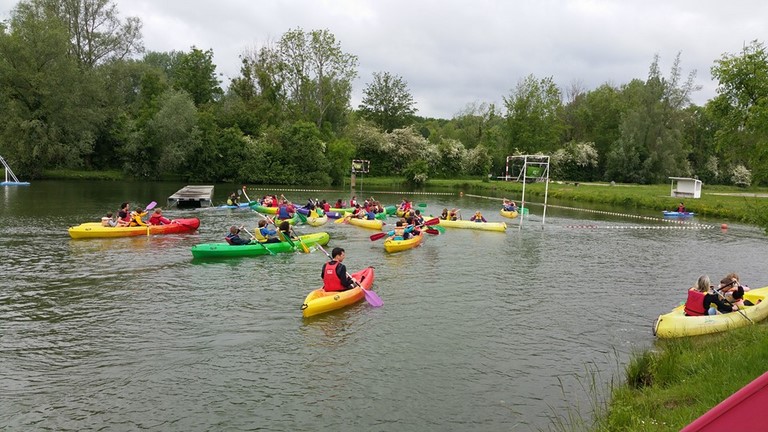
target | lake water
x=479, y=330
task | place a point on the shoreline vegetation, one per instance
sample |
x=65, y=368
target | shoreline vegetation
x=727, y=203
x=667, y=386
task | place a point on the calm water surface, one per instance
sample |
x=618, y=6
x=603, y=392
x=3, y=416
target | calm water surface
x=479, y=331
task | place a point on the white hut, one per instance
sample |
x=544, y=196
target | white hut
x=685, y=187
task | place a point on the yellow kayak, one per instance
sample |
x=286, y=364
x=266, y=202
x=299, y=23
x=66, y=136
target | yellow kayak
x=317, y=221
x=485, y=226
x=508, y=214
x=321, y=301
x=677, y=324
x=401, y=245
x=375, y=224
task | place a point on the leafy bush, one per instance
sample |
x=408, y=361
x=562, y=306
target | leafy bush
x=416, y=173
x=741, y=176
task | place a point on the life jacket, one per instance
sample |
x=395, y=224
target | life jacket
x=694, y=305
x=326, y=207
x=136, y=219
x=259, y=236
x=399, y=231
x=331, y=281
x=283, y=213
x=105, y=221
x=124, y=216
x=157, y=219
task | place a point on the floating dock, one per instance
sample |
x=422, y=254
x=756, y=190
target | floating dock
x=192, y=196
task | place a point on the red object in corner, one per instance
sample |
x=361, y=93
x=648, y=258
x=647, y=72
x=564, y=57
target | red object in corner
x=739, y=412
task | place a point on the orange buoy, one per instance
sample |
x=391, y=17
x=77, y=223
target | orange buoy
x=724, y=226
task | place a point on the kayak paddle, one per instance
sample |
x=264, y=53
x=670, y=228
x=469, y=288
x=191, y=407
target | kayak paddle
x=430, y=222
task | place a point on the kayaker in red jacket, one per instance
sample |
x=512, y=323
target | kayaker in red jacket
x=157, y=218
x=334, y=273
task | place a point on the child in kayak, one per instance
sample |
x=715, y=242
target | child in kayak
x=401, y=232
x=269, y=235
x=108, y=221
x=136, y=217
x=733, y=289
x=478, y=217
x=509, y=205
x=234, y=238
x=157, y=218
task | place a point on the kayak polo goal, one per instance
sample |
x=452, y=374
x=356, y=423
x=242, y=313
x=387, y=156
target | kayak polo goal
x=529, y=169
x=10, y=177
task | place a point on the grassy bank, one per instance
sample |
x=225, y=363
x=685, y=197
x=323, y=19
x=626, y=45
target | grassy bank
x=666, y=389
x=727, y=203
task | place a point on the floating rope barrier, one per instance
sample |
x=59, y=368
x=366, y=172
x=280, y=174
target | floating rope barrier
x=642, y=227
x=688, y=224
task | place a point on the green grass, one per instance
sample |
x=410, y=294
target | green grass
x=669, y=388
x=66, y=174
x=746, y=209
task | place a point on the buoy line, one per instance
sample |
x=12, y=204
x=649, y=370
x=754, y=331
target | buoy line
x=626, y=215
x=642, y=227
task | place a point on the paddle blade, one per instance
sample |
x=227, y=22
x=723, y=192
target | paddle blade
x=150, y=206
x=303, y=246
x=378, y=236
x=433, y=221
x=372, y=298
x=341, y=219
x=432, y=231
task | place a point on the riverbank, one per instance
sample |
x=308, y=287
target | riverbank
x=728, y=203
x=667, y=388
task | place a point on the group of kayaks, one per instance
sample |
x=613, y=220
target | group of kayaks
x=318, y=301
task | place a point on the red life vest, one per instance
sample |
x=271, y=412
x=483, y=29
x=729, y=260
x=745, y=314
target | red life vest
x=694, y=306
x=331, y=281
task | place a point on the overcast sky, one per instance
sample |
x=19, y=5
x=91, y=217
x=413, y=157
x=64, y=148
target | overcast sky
x=452, y=53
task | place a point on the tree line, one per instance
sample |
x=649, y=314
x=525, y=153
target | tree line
x=78, y=90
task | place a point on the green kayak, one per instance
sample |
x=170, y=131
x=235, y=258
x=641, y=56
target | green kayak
x=225, y=250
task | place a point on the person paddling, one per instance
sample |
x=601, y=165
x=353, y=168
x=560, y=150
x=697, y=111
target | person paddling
x=334, y=273
x=234, y=238
x=157, y=218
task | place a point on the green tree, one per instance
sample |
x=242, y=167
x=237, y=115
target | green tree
x=741, y=109
x=651, y=146
x=387, y=102
x=309, y=73
x=167, y=139
x=97, y=34
x=304, y=154
x=595, y=116
x=534, y=118
x=195, y=73
x=49, y=115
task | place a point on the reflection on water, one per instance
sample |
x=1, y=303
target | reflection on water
x=477, y=332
